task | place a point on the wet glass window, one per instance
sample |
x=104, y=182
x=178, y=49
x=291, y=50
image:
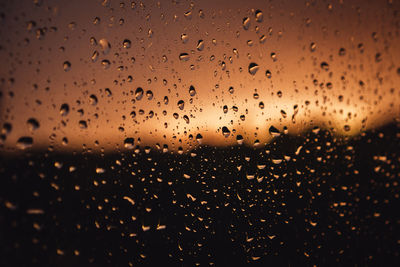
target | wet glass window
x=199, y=133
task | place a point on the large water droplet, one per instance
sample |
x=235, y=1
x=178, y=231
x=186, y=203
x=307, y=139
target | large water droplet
x=184, y=57
x=192, y=91
x=253, y=68
x=24, y=142
x=33, y=124
x=82, y=124
x=126, y=44
x=259, y=15
x=200, y=45
x=274, y=132
x=225, y=131
x=181, y=104
x=64, y=109
x=139, y=93
x=93, y=100
x=129, y=142
x=105, y=46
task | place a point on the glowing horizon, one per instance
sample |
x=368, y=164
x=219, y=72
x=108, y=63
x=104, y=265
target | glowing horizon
x=345, y=80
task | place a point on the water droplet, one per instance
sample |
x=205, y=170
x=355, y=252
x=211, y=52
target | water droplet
x=24, y=142
x=108, y=92
x=100, y=170
x=105, y=46
x=347, y=128
x=166, y=100
x=231, y=90
x=184, y=38
x=274, y=56
x=199, y=138
x=128, y=143
x=268, y=74
x=186, y=118
x=325, y=66
x=83, y=124
x=95, y=56
x=64, y=141
x=316, y=130
x=184, y=57
x=93, y=100
x=7, y=127
x=225, y=131
x=139, y=93
x=253, y=68
x=149, y=95
x=66, y=66
x=33, y=124
x=274, y=132
x=246, y=23
x=313, y=46
x=261, y=105
x=181, y=104
x=105, y=63
x=126, y=44
x=259, y=15
x=200, y=45
x=239, y=139
x=225, y=109
x=64, y=109
x=192, y=91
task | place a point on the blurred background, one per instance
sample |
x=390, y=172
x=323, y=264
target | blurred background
x=139, y=133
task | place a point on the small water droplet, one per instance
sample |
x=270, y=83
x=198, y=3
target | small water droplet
x=246, y=23
x=129, y=142
x=126, y=44
x=149, y=95
x=239, y=139
x=199, y=138
x=184, y=38
x=192, y=91
x=181, y=104
x=95, y=56
x=66, y=66
x=313, y=46
x=186, y=118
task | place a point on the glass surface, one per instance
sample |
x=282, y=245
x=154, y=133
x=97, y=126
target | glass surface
x=199, y=133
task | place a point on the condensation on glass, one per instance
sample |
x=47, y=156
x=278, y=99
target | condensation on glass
x=191, y=133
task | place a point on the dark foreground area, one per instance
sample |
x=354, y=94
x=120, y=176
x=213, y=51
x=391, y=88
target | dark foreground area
x=310, y=200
